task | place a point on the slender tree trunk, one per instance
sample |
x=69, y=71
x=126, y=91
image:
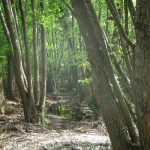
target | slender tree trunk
x=30, y=101
x=44, y=66
x=36, y=59
x=113, y=10
x=4, y=24
x=71, y=42
x=10, y=84
x=18, y=67
x=1, y=97
x=11, y=79
x=20, y=38
x=49, y=88
x=132, y=11
x=24, y=84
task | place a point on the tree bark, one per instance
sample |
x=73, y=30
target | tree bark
x=10, y=76
x=18, y=67
x=132, y=11
x=97, y=51
x=10, y=79
x=142, y=71
x=44, y=66
x=122, y=33
x=20, y=76
x=1, y=97
x=117, y=90
x=30, y=101
x=36, y=60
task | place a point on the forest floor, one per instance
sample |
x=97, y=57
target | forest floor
x=59, y=133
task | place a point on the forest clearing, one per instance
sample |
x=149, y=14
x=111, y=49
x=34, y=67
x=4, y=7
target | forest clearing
x=75, y=74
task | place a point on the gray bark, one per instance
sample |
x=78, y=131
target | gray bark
x=97, y=51
x=142, y=71
x=1, y=97
x=30, y=101
x=10, y=78
x=36, y=60
x=44, y=66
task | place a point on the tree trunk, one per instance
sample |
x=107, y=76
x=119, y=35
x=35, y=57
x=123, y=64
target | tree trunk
x=10, y=76
x=142, y=71
x=11, y=79
x=112, y=8
x=97, y=51
x=71, y=42
x=30, y=101
x=18, y=67
x=49, y=87
x=36, y=60
x=44, y=66
x=126, y=116
x=1, y=97
x=132, y=11
x=20, y=76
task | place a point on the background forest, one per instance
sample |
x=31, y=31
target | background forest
x=96, y=50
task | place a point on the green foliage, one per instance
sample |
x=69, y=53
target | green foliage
x=85, y=65
x=86, y=81
x=4, y=51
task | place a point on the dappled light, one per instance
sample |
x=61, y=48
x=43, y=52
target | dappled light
x=74, y=75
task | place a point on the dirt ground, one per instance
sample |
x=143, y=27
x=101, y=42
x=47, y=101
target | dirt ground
x=15, y=134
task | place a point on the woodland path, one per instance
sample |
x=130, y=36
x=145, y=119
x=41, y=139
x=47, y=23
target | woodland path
x=72, y=135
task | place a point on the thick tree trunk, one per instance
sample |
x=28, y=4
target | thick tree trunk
x=97, y=51
x=117, y=91
x=142, y=71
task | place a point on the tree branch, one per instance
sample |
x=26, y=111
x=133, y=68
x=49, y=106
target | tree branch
x=114, y=12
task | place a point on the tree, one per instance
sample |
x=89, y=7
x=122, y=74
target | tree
x=1, y=97
x=36, y=59
x=44, y=66
x=46, y=31
x=141, y=78
x=18, y=67
x=98, y=48
x=30, y=100
x=21, y=64
x=11, y=78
